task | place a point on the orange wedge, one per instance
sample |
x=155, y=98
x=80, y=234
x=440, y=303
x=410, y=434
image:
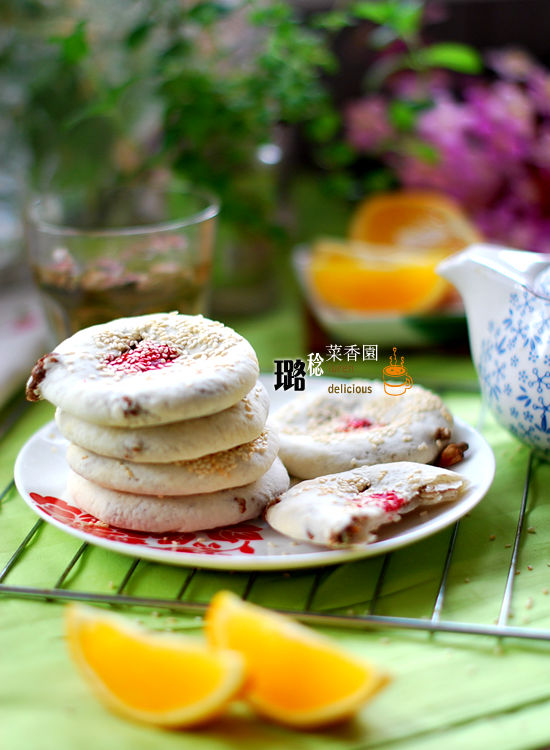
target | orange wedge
x=355, y=277
x=413, y=219
x=162, y=679
x=295, y=676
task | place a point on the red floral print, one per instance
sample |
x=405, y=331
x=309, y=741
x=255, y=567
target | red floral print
x=203, y=542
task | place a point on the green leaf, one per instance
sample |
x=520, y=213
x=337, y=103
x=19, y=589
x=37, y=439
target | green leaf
x=139, y=34
x=403, y=115
x=73, y=47
x=324, y=127
x=458, y=57
x=377, y=11
x=403, y=16
x=407, y=18
x=423, y=150
x=106, y=105
x=208, y=12
x=339, y=154
x=271, y=15
x=338, y=184
x=379, y=180
x=333, y=21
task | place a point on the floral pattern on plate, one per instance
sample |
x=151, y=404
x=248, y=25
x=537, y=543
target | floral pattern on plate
x=213, y=542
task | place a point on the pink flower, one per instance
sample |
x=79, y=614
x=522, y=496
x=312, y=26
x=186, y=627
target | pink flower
x=464, y=174
x=512, y=64
x=446, y=123
x=367, y=123
x=465, y=169
x=538, y=87
x=505, y=118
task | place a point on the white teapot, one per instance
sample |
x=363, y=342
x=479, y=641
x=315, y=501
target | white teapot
x=506, y=296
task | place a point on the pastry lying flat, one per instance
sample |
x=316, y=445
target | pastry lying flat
x=348, y=508
x=327, y=432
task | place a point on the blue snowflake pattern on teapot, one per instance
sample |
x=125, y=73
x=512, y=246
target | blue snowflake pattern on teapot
x=514, y=370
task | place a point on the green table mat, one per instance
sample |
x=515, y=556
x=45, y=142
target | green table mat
x=447, y=691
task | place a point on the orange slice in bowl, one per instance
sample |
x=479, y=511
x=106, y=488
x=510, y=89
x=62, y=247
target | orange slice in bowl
x=163, y=679
x=295, y=676
x=355, y=277
x=414, y=219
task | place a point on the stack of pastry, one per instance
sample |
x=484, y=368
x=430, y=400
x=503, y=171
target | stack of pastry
x=166, y=421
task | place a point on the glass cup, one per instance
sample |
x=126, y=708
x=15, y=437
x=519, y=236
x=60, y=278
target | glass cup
x=96, y=256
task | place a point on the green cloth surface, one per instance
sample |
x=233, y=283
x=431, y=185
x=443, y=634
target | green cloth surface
x=447, y=691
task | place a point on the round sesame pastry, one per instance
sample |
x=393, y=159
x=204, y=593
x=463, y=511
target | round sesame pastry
x=146, y=370
x=347, y=508
x=216, y=471
x=178, y=441
x=184, y=513
x=330, y=432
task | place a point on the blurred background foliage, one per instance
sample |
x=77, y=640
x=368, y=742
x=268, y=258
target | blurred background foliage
x=100, y=92
x=289, y=112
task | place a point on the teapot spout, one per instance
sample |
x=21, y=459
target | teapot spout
x=486, y=276
x=490, y=262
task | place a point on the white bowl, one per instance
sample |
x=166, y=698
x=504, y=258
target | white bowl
x=383, y=329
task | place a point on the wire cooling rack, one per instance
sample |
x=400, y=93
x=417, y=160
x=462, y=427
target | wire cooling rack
x=30, y=545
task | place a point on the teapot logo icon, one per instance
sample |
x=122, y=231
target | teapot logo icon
x=396, y=378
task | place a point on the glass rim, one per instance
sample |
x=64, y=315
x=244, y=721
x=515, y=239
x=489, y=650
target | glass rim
x=211, y=210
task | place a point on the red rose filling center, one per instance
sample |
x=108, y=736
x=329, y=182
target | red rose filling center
x=143, y=357
x=389, y=501
x=355, y=423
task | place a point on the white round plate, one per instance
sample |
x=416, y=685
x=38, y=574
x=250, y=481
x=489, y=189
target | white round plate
x=41, y=473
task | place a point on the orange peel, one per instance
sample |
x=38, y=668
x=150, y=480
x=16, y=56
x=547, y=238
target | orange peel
x=415, y=219
x=296, y=676
x=163, y=679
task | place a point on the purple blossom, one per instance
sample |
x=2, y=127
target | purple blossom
x=465, y=168
x=539, y=90
x=505, y=118
x=540, y=148
x=447, y=122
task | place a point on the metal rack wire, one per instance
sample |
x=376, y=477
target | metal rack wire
x=433, y=624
